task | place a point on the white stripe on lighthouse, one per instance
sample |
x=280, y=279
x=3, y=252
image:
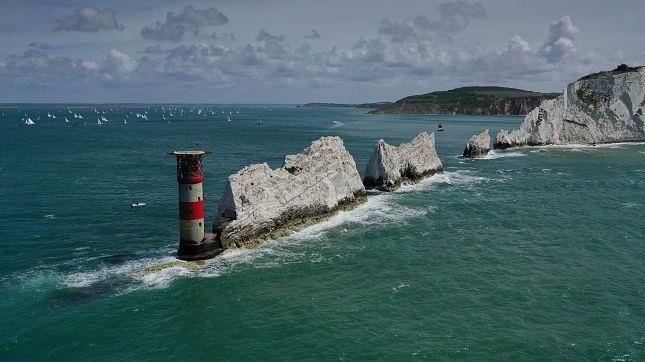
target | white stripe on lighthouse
x=191, y=192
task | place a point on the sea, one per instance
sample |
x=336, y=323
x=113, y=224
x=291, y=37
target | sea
x=527, y=254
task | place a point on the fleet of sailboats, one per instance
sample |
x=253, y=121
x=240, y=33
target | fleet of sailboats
x=150, y=113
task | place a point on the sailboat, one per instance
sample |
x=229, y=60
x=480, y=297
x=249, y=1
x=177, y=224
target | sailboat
x=125, y=121
x=66, y=120
x=29, y=122
x=98, y=121
x=228, y=118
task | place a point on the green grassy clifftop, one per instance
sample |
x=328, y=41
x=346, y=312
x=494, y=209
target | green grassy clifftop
x=469, y=100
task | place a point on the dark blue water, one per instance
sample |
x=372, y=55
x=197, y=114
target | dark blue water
x=533, y=253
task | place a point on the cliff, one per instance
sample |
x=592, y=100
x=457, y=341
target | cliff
x=598, y=108
x=469, y=100
x=390, y=166
x=478, y=145
x=259, y=202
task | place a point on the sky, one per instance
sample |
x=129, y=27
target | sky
x=298, y=51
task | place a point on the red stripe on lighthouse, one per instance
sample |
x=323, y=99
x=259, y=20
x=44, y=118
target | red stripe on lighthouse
x=191, y=210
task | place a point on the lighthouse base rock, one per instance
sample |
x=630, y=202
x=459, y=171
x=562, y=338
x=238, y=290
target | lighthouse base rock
x=259, y=202
x=598, y=108
x=390, y=166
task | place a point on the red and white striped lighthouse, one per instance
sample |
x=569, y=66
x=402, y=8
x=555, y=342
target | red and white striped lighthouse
x=193, y=243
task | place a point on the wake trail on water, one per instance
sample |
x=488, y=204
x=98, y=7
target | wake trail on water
x=380, y=210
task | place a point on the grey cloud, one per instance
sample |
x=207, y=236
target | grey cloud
x=189, y=19
x=313, y=34
x=39, y=45
x=225, y=37
x=89, y=19
x=45, y=67
x=153, y=49
x=452, y=17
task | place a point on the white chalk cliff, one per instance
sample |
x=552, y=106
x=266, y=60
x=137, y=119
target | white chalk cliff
x=478, y=145
x=390, y=166
x=259, y=201
x=598, y=108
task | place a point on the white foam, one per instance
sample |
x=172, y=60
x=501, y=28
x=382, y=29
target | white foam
x=452, y=178
x=591, y=146
x=381, y=209
x=108, y=272
x=401, y=286
x=337, y=124
x=492, y=155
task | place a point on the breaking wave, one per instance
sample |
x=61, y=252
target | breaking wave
x=380, y=210
x=492, y=155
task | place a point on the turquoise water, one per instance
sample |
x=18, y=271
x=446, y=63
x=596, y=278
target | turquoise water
x=528, y=254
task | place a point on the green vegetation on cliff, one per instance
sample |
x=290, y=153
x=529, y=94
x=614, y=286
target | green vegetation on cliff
x=469, y=100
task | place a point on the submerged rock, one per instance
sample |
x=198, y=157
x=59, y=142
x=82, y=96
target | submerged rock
x=390, y=166
x=598, y=108
x=478, y=145
x=259, y=202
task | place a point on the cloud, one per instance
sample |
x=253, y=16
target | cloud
x=189, y=19
x=410, y=53
x=560, y=43
x=116, y=65
x=44, y=67
x=90, y=20
x=452, y=18
x=313, y=34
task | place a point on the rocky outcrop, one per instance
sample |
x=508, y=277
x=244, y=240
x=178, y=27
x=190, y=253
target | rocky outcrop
x=598, y=108
x=478, y=145
x=259, y=202
x=390, y=166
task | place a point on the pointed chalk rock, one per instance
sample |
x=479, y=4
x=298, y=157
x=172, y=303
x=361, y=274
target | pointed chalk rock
x=478, y=145
x=259, y=202
x=390, y=166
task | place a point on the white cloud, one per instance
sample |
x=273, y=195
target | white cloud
x=560, y=43
x=89, y=19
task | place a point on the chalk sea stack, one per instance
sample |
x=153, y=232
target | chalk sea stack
x=390, y=166
x=478, y=145
x=602, y=107
x=259, y=202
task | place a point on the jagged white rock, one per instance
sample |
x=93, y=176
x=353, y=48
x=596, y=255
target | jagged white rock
x=390, y=166
x=599, y=108
x=258, y=201
x=478, y=145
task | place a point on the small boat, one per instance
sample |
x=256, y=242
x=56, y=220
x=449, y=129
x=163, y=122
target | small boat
x=228, y=118
x=137, y=205
x=440, y=128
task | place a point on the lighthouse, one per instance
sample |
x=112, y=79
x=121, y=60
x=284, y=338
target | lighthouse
x=194, y=244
